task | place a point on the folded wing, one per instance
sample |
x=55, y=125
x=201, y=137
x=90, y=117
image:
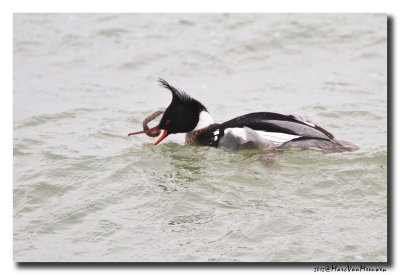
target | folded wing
x=276, y=125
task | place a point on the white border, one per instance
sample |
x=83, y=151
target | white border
x=275, y=6
x=285, y=6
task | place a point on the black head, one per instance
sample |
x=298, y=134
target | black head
x=182, y=114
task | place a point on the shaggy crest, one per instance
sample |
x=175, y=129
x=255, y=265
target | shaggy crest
x=181, y=95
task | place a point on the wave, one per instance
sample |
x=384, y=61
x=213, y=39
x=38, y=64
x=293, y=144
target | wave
x=46, y=118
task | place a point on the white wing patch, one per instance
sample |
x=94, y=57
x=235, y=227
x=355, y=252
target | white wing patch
x=276, y=138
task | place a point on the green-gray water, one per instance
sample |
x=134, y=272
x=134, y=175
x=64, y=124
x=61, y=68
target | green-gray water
x=84, y=191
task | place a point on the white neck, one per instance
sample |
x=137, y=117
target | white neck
x=205, y=120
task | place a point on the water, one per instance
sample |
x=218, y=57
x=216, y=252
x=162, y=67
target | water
x=84, y=191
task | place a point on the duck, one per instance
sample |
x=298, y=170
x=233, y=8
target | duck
x=257, y=130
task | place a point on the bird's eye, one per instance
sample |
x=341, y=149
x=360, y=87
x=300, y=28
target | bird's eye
x=167, y=122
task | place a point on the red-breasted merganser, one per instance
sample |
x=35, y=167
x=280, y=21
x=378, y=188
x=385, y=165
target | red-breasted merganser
x=262, y=130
